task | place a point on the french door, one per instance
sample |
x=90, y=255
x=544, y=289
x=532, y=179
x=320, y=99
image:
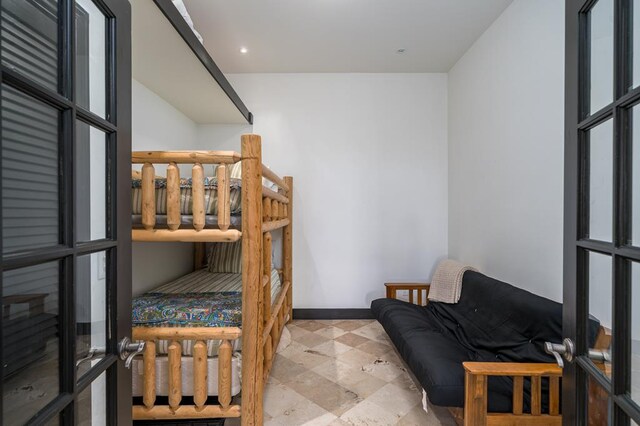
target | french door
x=602, y=212
x=65, y=272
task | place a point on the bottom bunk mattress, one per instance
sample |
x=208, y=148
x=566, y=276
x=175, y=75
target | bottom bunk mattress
x=162, y=376
x=198, y=299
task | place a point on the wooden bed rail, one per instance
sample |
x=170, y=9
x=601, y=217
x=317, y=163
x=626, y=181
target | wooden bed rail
x=185, y=157
x=278, y=201
x=200, y=408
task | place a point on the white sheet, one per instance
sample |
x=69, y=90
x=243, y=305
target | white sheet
x=162, y=376
x=179, y=4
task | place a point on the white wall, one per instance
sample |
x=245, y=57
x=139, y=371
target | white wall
x=368, y=153
x=506, y=121
x=157, y=126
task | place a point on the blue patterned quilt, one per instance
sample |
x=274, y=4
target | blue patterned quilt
x=221, y=309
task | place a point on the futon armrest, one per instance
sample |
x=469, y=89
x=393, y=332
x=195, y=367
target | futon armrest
x=418, y=288
x=512, y=369
x=476, y=393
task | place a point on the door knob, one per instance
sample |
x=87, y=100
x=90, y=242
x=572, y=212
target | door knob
x=128, y=350
x=565, y=349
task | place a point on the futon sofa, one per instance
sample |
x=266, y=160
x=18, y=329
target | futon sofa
x=493, y=321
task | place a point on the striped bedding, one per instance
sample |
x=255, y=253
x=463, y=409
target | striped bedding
x=202, y=282
x=186, y=203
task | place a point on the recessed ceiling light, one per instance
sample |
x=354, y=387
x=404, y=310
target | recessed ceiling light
x=243, y=50
x=401, y=51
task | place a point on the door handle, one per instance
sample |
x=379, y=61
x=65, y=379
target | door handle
x=599, y=355
x=93, y=353
x=128, y=350
x=565, y=349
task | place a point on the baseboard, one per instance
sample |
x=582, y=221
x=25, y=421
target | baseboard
x=332, y=314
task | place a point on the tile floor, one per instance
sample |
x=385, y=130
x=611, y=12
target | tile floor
x=344, y=373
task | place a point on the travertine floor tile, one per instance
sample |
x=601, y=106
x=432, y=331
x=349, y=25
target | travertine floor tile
x=332, y=348
x=308, y=358
x=312, y=325
x=373, y=331
x=383, y=369
x=296, y=331
x=327, y=394
x=325, y=419
x=375, y=348
x=351, y=339
x=350, y=325
x=311, y=340
x=284, y=369
x=322, y=379
x=396, y=400
x=332, y=332
x=301, y=413
x=368, y=414
x=280, y=398
x=357, y=358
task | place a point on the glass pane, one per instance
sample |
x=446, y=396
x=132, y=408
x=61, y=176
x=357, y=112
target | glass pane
x=600, y=298
x=598, y=406
x=635, y=332
x=601, y=64
x=92, y=403
x=30, y=340
x=91, y=313
x=635, y=177
x=91, y=182
x=30, y=39
x=91, y=59
x=601, y=181
x=30, y=203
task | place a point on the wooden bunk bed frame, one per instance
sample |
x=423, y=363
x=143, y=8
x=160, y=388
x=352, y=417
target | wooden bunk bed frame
x=263, y=211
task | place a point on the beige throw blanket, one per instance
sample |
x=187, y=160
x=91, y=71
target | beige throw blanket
x=446, y=284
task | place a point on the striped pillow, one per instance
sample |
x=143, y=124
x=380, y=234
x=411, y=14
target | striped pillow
x=226, y=258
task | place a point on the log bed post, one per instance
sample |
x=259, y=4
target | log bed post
x=266, y=264
x=148, y=187
x=287, y=247
x=251, y=280
x=173, y=196
x=197, y=196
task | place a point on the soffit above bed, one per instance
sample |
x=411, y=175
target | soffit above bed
x=327, y=36
x=169, y=60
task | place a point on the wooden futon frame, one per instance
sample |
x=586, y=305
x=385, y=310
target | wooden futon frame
x=263, y=211
x=477, y=373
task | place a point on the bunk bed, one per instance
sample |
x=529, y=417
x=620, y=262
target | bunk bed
x=199, y=360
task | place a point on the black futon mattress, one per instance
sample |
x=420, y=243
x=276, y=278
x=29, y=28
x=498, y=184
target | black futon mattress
x=493, y=321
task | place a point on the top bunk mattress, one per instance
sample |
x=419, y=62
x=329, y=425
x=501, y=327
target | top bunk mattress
x=186, y=201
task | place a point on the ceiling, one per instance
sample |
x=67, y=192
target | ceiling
x=341, y=35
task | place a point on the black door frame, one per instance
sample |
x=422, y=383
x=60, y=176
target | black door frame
x=117, y=127
x=577, y=244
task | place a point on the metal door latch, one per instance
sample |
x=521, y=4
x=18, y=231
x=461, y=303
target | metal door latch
x=93, y=353
x=128, y=350
x=565, y=349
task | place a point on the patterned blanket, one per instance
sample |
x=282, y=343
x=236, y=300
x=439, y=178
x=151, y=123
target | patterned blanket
x=221, y=309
